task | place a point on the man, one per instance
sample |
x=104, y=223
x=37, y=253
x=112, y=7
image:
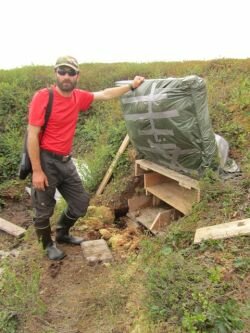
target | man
x=50, y=152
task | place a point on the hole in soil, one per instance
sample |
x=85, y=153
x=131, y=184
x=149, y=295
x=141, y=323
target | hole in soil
x=120, y=212
x=121, y=216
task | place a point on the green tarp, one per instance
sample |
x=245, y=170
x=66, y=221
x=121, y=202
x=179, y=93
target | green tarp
x=168, y=123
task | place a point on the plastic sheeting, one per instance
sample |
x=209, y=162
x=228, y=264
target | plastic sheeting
x=168, y=123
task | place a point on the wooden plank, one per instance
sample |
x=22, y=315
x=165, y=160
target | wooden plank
x=139, y=201
x=147, y=216
x=153, y=178
x=183, y=180
x=113, y=164
x=224, y=230
x=156, y=201
x=138, y=170
x=176, y=196
x=163, y=219
x=11, y=228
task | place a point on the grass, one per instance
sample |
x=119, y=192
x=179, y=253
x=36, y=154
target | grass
x=19, y=295
x=194, y=287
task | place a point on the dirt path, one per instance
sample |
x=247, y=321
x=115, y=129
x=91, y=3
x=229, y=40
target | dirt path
x=79, y=298
x=67, y=290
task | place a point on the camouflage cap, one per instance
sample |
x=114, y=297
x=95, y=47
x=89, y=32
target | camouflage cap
x=67, y=61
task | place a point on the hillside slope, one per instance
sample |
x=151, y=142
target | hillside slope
x=158, y=285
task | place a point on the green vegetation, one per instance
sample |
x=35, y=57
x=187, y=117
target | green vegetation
x=178, y=286
x=196, y=295
x=19, y=295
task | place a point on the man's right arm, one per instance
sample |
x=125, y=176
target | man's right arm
x=39, y=179
x=109, y=93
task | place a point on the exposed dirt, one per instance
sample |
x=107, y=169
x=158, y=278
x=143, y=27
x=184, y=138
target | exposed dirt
x=75, y=293
x=17, y=212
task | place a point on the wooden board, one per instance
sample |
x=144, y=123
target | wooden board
x=163, y=219
x=11, y=228
x=148, y=215
x=154, y=178
x=144, y=165
x=139, y=201
x=153, y=218
x=225, y=230
x=176, y=196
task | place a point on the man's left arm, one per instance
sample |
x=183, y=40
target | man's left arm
x=115, y=92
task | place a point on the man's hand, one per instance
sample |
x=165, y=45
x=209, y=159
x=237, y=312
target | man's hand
x=39, y=180
x=138, y=80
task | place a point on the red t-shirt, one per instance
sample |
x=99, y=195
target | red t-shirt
x=60, y=130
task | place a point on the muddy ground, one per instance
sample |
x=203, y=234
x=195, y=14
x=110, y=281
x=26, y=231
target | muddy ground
x=79, y=297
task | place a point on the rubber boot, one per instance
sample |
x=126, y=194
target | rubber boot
x=44, y=235
x=62, y=230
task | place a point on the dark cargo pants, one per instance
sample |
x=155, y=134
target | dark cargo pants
x=62, y=175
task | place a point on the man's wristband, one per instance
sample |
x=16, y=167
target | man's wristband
x=131, y=87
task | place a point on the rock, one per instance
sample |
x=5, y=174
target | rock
x=96, y=251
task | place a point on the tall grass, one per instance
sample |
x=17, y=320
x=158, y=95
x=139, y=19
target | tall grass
x=19, y=295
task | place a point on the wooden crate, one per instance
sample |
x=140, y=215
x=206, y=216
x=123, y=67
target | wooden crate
x=177, y=190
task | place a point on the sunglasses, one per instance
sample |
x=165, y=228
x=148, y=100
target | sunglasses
x=70, y=72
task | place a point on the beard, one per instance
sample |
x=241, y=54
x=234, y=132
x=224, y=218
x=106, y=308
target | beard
x=66, y=85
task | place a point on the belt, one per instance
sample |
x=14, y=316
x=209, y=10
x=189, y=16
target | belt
x=62, y=158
